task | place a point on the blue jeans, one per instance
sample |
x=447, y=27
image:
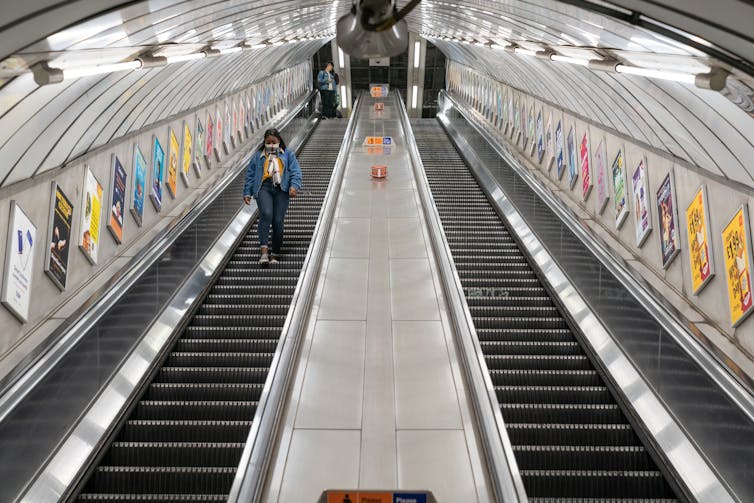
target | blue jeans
x=272, y=203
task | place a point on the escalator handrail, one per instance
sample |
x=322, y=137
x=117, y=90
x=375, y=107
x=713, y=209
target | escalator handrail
x=503, y=468
x=248, y=483
x=691, y=471
x=107, y=296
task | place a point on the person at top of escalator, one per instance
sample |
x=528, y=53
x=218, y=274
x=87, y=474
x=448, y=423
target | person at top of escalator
x=328, y=90
x=272, y=178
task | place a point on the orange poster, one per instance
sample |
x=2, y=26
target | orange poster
x=737, y=250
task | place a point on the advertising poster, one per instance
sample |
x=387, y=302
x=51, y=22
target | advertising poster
x=117, y=200
x=242, y=119
x=91, y=211
x=700, y=249
x=619, y=189
x=540, y=138
x=573, y=173
x=219, y=125
x=504, y=114
x=227, y=130
x=198, y=147
x=550, y=142
x=560, y=161
x=586, y=174
x=19, y=263
x=140, y=183
x=517, y=122
x=234, y=130
x=249, y=116
x=186, y=158
x=158, y=173
x=670, y=244
x=642, y=214
x=173, y=150
x=511, y=124
x=209, y=147
x=737, y=249
x=522, y=126
x=59, y=230
x=599, y=156
x=531, y=133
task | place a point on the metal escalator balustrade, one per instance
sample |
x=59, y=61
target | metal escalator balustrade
x=570, y=438
x=185, y=436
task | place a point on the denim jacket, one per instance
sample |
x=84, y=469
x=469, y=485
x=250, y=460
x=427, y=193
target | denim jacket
x=255, y=171
x=325, y=79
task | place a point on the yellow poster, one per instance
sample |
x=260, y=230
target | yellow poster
x=172, y=180
x=186, y=161
x=738, y=266
x=700, y=251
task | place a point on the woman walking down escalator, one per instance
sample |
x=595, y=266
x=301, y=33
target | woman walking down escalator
x=273, y=176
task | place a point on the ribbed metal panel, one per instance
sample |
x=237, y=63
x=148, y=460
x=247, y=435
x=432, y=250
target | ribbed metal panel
x=570, y=438
x=185, y=437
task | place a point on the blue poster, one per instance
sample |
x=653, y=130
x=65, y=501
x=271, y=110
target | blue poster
x=540, y=138
x=140, y=182
x=573, y=174
x=158, y=173
x=559, y=149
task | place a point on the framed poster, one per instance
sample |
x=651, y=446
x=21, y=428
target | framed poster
x=117, y=200
x=511, y=124
x=559, y=160
x=517, y=122
x=549, y=142
x=59, y=231
x=19, y=263
x=618, y=172
x=186, y=156
x=91, y=211
x=540, y=138
x=642, y=213
x=667, y=213
x=140, y=183
x=737, y=249
x=173, y=150
x=522, y=126
x=198, y=147
x=599, y=156
x=227, y=130
x=158, y=173
x=242, y=119
x=573, y=173
x=701, y=258
x=209, y=147
x=219, y=125
x=586, y=174
x=504, y=113
x=532, y=132
x=234, y=130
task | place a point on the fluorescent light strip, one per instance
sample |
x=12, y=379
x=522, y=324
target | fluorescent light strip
x=230, y=50
x=185, y=57
x=341, y=58
x=414, y=96
x=343, y=97
x=85, y=71
x=686, y=78
x=417, y=53
x=568, y=59
x=525, y=52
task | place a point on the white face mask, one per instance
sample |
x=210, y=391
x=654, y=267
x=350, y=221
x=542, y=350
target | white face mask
x=271, y=148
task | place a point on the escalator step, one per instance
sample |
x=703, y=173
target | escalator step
x=531, y=348
x=553, y=394
x=196, y=410
x=173, y=454
x=215, y=391
x=566, y=413
x=181, y=430
x=152, y=498
x=157, y=479
x=595, y=483
x=571, y=434
x=227, y=345
x=579, y=457
x=212, y=374
x=536, y=377
x=211, y=359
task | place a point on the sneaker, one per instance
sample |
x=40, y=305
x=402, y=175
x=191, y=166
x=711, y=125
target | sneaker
x=274, y=258
x=264, y=259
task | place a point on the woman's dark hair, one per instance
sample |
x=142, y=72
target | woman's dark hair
x=274, y=132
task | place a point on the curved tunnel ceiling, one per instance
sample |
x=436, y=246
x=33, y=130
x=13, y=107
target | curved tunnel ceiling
x=42, y=128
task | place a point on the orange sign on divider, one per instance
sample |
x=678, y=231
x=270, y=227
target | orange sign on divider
x=379, y=106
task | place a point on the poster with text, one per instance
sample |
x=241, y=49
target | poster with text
x=158, y=173
x=504, y=117
x=550, y=142
x=642, y=213
x=91, y=211
x=618, y=172
x=737, y=250
x=511, y=125
x=140, y=183
x=59, y=231
x=532, y=131
x=218, y=143
x=573, y=172
x=117, y=200
x=173, y=152
x=234, y=131
x=517, y=122
x=670, y=243
x=227, y=129
x=559, y=160
x=540, y=138
x=19, y=263
x=198, y=147
x=186, y=158
x=599, y=156
x=209, y=148
x=522, y=126
x=700, y=248
x=586, y=174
